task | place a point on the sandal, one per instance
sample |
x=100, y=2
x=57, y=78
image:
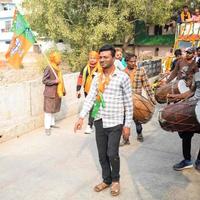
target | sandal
x=115, y=189
x=100, y=187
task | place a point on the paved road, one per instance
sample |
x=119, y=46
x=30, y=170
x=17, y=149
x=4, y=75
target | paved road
x=64, y=166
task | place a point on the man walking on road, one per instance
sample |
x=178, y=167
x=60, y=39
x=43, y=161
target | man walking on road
x=113, y=111
x=139, y=81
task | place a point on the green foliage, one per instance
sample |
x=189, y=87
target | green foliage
x=157, y=40
x=88, y=24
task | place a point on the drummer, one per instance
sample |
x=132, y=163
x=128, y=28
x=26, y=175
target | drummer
x=187, y=136
x=184, y=67
x=139, y=80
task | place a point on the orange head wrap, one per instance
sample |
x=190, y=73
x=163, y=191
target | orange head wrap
x=94, y=54
x=55, y=57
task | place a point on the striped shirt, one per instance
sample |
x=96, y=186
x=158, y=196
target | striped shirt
x=118, y=101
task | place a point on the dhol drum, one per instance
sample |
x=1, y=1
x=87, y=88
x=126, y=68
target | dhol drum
x=175, y=87
x=181, y=117
x=143, y=109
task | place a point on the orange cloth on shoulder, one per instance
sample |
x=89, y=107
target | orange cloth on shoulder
x=55, y=60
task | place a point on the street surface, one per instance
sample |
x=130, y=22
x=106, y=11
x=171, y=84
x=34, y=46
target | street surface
x=64, y=166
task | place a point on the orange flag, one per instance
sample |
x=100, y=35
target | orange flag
x=22, y=40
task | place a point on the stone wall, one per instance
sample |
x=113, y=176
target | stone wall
x=21, y=106
x=151, y=50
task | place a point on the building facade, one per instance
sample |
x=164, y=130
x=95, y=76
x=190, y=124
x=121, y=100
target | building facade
x=6, y=16
x=7, y=8
x=154, y=40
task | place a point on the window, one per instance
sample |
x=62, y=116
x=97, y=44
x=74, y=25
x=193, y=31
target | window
x=8, y=25
x=7, y=6
x=158, y=30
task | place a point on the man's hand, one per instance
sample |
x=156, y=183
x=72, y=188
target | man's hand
x=126, y=132
x=78, y=94
x=182, y=96
x=56, y=81
x=162, y=83
x=174, y=97
x=78, y=125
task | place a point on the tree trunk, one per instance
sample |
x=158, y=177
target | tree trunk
x=127, y=41
x=109, y=3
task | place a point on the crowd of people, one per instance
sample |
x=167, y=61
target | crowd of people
x=109, y=81
x=187, y=16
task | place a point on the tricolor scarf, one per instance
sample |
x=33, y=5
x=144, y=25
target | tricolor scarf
x=103, y=81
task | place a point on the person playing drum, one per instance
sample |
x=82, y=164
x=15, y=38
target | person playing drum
x=184, y=67
x=139, y=80
x=187, y=135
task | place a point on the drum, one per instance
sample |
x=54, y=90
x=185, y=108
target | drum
x=143, y=109
x=181, y=117
x=176, y=87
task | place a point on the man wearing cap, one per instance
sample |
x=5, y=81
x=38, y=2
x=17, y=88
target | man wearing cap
x=187, y=135
x=184, y=68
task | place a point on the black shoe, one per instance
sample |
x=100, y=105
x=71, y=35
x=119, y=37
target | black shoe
x=197, y=165
x=140, y=137
x=184, y=164
x=54, y=126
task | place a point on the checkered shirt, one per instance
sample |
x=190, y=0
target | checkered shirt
x=141, y=81
x=118, y=101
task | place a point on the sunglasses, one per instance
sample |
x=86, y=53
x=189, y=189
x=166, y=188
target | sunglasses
x=189, y=53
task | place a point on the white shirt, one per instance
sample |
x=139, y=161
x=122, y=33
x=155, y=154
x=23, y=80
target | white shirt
x=118, y=101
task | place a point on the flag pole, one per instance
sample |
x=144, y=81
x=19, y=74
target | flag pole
x=48, y=62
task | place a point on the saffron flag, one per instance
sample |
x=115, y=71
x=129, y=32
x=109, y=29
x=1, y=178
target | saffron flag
x=22, y=40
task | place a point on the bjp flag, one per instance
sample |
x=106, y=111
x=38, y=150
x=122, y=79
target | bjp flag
x=22, y=40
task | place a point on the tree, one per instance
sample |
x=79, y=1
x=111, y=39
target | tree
x=87, y=24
